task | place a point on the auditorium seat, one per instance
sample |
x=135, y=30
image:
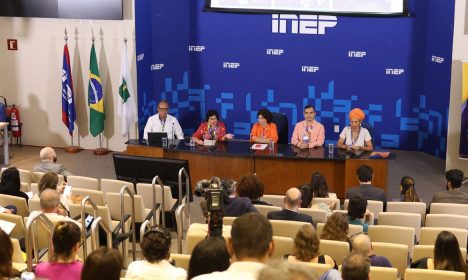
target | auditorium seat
x=427, y=251
x=353, y=229
x=19, y=230
x=397, y=254
x=197, y=232
x=19, y=202
x=393, y=234
x=338, y=250
x=264, y=209
x=318, y=215
x=83, y=182
x=328, y=201
x=408, y=207
x=281, y=122
x=273, y=199
x=447, y=220
x=374, y=206
x=228, y=220
x=429, y=235
x=383, y=273
x=287, y=228
x=114, y=186
x=283, y=246
x=318, y=268
x=146, y=191
x=403, y=220
x=427, y=274
x=97, y=196
x=449, y=208
x=181, y=260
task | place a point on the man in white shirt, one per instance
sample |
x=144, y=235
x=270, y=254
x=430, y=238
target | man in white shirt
x=163, y=122
x=50, y=205
x=250, y=245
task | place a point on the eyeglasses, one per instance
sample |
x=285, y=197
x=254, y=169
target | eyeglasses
x=213, y=118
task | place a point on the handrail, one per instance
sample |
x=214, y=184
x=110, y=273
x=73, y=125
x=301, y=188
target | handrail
x=180, y=226
x=126, y=189
x=161, y=184
x=85, y=200
x=50, y=228
x=95, y=240
x=182, y=171
x=146, y=224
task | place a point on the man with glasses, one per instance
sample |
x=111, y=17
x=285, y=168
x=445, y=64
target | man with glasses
x=308, y=133
x=163, y=122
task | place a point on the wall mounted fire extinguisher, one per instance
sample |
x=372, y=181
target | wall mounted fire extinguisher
x=15, y=121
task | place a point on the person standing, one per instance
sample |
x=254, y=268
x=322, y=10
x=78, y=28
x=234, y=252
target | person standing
x=308, y=133
x=163, y=122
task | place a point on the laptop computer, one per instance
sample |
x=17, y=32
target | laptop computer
x=155, y=138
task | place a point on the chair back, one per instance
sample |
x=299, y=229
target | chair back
x=19, y=231
x=96, y=196
x=181, y=260
x=102, y=211
x=393, y=234
x=397, y=254
x=427, y=251
x=447, y=220
x=227, y=221
x=34, y=204
x=338, y=250
x=334, y=202
x=318, y=268
x=19, y=202
x=374, y=206
x=113, y=202
x=353, y=229
x=264, y=209
x=286, y=228
x=83, y=182
x=114, y=186
x=197, y=232
x=283, y=246
x=449, y=208
x=273, y=199
x=281, y=122
x=403, y=220
x=146, y=191
x=383, y=273
x=431, y=274
x=318, y=215
x=408, y=207
x=429, y=235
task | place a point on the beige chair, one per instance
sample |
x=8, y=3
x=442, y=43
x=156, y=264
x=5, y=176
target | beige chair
x=329, y=201
x=427, y=251
x=353, y=229
x=19, y=262
x=319, y=268
x=403, y=220
x=83, y=182
x=146, y=191
x=264, y=209
x=25, y=187
x=113, y=202
x=228, y=220
x=397, y=254
x=181, y=260
x=273, y=199
x=393, y=234
x=34, y=204
x=19, y=231
x=114, y=186
x=286, y=228
x=338, y=250
x=383, y=273
x=96, y=196
x=429, y=235
x=283, y=246
x=408, y=207
x=34, y=188
x=426, y=274
x=103, y=212
x=447, y=220
x=197, y=232
x=25, y=176
x=36, y=177
x=449, y=208
x=19, y=202
x=318, y=215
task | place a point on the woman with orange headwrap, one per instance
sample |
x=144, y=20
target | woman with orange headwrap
x=354, y=137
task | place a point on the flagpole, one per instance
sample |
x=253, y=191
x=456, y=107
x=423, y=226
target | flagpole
x=70, y=149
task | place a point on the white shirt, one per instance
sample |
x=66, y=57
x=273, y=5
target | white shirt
x=171, y=126
x=55, y=218
x=361, y=140
x=160, y=270
x=237, y=271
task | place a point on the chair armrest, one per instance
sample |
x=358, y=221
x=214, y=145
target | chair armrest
x=117, y=228
x=152, y=212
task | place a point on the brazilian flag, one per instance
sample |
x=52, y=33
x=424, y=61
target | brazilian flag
x=95, y=97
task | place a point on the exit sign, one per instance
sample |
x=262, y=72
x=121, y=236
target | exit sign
x=12, y=44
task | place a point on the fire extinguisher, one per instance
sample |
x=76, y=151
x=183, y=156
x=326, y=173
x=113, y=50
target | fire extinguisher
x=15, y=121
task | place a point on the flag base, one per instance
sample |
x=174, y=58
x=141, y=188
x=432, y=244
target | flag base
x=101, y=151
x=73, y=149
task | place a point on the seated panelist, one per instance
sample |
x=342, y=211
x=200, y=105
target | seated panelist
x=163, y=122
x=308, y=133
x=355, y=137
x=211, y=129
x=264, y=130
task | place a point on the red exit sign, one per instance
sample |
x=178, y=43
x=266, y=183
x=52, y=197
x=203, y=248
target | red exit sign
x=12, y=44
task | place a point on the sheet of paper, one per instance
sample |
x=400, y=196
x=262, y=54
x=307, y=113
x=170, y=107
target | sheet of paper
x=259, y=146
x=7, y=227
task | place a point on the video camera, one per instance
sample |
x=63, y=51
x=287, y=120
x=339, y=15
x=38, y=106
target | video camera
x=212, y=191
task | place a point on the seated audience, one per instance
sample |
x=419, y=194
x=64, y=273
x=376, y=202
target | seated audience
x=251, y=245
x=251, y=186
x=6, y=257
x=50, y=181
x=354, y=137
x=357, y=212
x=264, y=130
x=355, y=267
x=209, y=255
x=362, y=244
x=51, y=206
x=453, y=194
x=278, y=270
x=235, y=206
x=211, y=129
x=10, y=183
x=306, y=195
x=156, y=247
x=336, y=228
x=447, y=255
x=103, y=264
x=64, y=264
x=319, y=186
x=306, y=248
x=48, y=163
x=407, y=191
x=365, y=175
x=292, y=201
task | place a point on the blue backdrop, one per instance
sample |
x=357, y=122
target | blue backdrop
x=396, y=69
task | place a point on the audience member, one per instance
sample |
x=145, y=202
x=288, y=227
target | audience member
x=251, y=186
x=155, y=246
x=48, y=163
x=306, y=195
x=6, y=255
x=64, y=264
x=407, y=191
x=251, y=244
x=357, y=212
x=50, y=181
x=447, y=255
x=355, y=267
x=234, y=206
x=366, y=190
x=10, y=183
x=51, y=206
x=453, y=194
x=306, y=248
x=336, y=228
x=362, y=244
x=278, y=270
x=208, y=256
x=103, y=264
x=319, y=186
x=292, y=201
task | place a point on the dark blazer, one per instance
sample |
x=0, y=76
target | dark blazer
x=453, y=196
x=238, y=206
x=368, y=192
x=288, y=215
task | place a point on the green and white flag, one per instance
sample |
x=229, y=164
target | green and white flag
x=126, y=110
x=95, y=97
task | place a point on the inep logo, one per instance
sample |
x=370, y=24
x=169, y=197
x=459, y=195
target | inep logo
x=437, y=59
x=394, y=71
x=140, y=57
x=156, y=67
x=196, y=48
x=357, y=54
x=274, y=51
x=231, y=65
x=310, y=69
x=304, y=24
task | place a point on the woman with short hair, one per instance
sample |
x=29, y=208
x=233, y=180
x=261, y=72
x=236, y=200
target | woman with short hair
x=336, y=228
x=6, y=257
x=211, y=129
x=264, y=130
x=103, y=264
x=209, y=255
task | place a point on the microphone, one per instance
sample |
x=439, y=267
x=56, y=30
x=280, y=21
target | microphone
x=174, y=135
